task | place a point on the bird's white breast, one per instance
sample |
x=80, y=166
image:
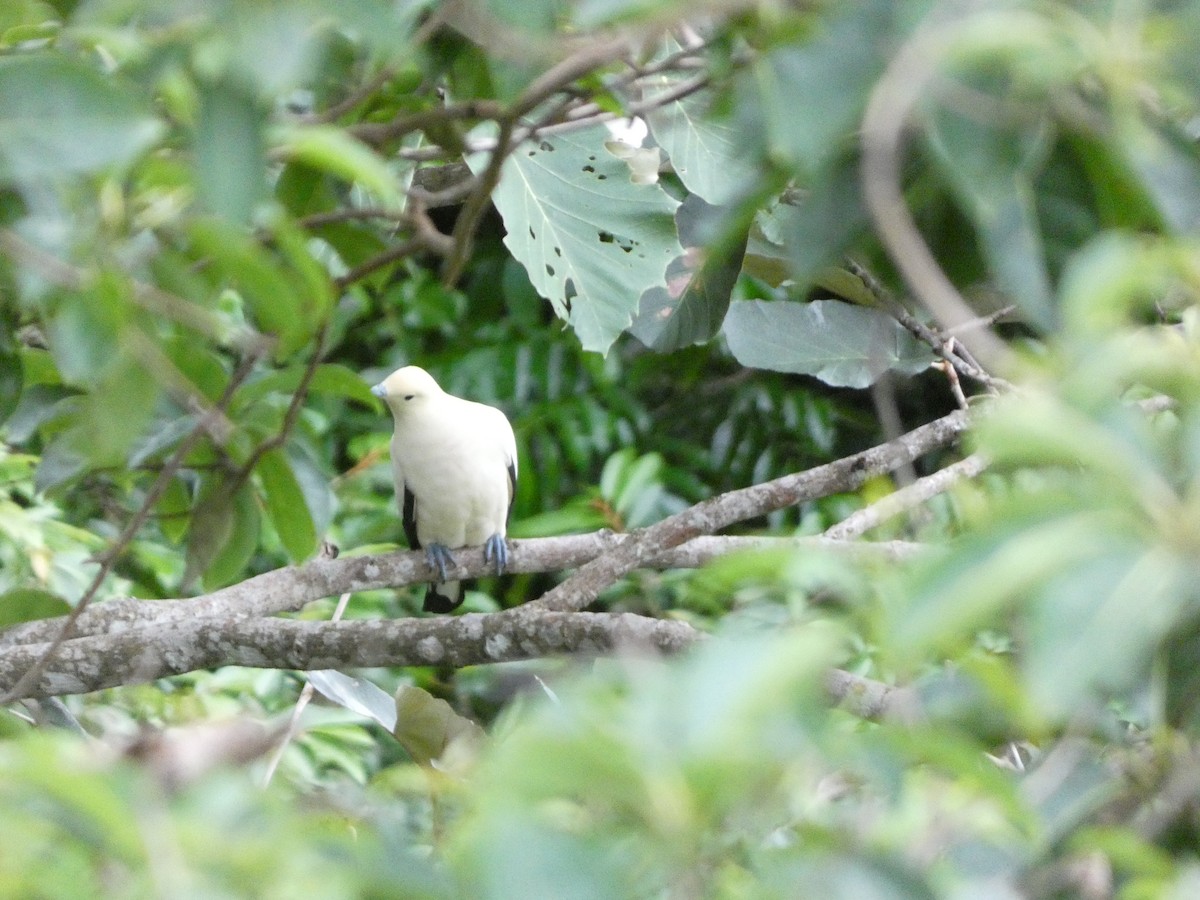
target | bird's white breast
x=453, y=455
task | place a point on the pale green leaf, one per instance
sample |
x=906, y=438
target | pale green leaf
x=841, y=344
x=58, y=116
x=591, y=240
x=336, y=152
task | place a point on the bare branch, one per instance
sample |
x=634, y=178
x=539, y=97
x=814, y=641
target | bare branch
x=901, y=501
x=155, y=651
x=292, y=588
x=844, y=475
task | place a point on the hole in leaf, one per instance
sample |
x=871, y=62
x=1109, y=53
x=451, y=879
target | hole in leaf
x=589, y=168
x=558, y=252
x=547, y=146
x=606, y=237
x=532, y=234
x=601, y=177
x=569, y=293
x=550, y=270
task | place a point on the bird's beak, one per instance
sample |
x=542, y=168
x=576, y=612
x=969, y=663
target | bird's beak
x=379, y=391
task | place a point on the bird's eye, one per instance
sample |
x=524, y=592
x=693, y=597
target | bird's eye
x=409, y=396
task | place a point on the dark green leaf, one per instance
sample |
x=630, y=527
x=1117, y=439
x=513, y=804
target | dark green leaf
x=813, y=93
x=26, y=604
x=993, y=169
x=286, y=506
x=229, y=562
x=692, y=305
x=12, y=372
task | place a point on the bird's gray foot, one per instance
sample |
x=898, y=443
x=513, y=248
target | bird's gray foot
x=437, y=556
x=496, y=550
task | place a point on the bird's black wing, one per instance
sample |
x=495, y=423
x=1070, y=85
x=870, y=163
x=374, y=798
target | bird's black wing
x=408, y=516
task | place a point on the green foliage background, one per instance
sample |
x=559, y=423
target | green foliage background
x=173, y=198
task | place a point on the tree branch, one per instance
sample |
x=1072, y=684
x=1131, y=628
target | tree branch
x=719, y=512
x=292, y=588
x=31, y=672
x=863, y=520
x=156, y=651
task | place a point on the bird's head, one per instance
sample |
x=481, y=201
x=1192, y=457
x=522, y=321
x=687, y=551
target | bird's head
x=406, y=389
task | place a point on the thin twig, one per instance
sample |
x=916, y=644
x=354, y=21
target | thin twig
x=954, y=355
x=473, y=210
x=361, y=95
x=301, y=702
x=109, y=559
x=906, y=498
x=149, y=297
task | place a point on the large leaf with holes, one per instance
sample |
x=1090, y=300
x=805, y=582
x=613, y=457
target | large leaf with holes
x=591, y=240
x=690, y=308
x=709, y=155
x=841, y=344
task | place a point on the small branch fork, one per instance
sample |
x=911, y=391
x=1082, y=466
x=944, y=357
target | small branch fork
x=128, y=641
x=550, y=104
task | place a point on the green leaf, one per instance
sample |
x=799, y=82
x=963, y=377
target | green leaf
x=12, y=372
x=230, y=153
x=1169, y=168
x=813, y=93
x=690, y=309
x=591, y=240
x=222, y=534
x=27, y=604
x=432, y=732
x=1093, y=627
x=709, y=155
x=58, y=116
x=329, y=378
x=229, y=563
x=171, y=511
x=815, y=231
x=260, y=278
x=992, y=169
x=336, y=152
x=286, y=506
x=841, y=344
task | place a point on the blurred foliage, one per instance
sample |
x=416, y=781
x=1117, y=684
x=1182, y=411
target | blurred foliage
x=200, y=207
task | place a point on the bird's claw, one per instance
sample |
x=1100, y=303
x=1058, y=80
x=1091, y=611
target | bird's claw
x=438, y=557
x=496, y=550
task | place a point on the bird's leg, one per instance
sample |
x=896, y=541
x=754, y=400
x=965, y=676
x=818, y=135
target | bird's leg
x=437, y=556
x=496, y=550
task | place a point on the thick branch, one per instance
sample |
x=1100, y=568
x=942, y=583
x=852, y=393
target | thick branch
x=291, y=588
x=155, y=651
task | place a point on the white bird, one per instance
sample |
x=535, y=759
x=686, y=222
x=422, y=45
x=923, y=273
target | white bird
x=455, y=465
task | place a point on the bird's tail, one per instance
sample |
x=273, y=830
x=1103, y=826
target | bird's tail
x=444, y=597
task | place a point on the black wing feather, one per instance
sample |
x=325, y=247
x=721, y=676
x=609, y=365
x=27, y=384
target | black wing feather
x=408, y=516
